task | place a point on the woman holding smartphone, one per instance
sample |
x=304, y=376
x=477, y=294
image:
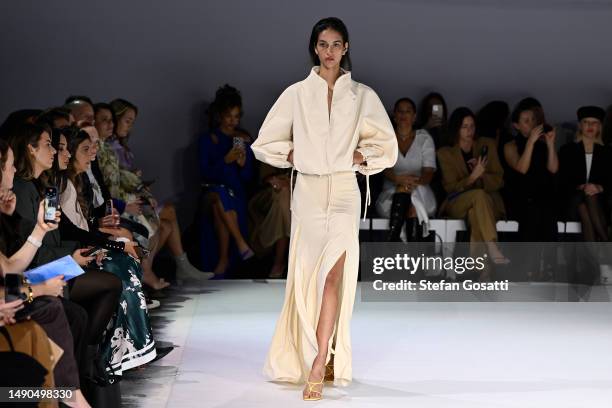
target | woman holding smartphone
x=225, y=168
x=327, y=127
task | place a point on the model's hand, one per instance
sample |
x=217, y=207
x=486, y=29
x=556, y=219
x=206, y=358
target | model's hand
x=358, y=158
x=290, y=157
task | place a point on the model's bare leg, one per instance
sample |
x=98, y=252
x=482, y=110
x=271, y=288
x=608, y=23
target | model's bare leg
x=325, y=327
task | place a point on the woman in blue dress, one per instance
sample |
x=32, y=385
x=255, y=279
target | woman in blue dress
x=226, y=166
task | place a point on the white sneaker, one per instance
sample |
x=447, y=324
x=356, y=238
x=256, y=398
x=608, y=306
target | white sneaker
x=152, y=304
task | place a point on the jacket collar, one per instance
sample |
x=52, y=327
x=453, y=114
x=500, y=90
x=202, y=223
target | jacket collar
x=343, y=81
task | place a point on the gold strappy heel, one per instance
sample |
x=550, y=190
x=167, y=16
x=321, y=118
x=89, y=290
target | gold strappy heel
x=329, y=373
x=311, y=386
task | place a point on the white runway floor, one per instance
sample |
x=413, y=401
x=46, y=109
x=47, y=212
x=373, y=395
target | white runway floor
x=422, y=355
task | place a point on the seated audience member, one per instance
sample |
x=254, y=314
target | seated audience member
x=472, y=177
x=225, y=167
x=585, y=174
x=406, y=196
x=433, y=114
x=96, y=290
x=533, y=162
x=81, y=108
x=129, y=333
x=64, y=321
x=270, y=216
x=161, y=220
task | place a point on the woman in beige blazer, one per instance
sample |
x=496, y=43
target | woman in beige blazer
x=326, y=127
x=472, y=176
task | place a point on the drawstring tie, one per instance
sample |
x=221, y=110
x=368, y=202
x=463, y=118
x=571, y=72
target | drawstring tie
x=367, y=197
x=329, y=193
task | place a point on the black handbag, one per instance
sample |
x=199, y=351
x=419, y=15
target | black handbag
x=19, y=369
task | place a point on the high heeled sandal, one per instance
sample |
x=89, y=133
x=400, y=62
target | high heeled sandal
x=329, y=373
x=311, y=385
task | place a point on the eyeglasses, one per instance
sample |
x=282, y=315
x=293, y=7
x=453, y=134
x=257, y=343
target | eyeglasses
x=335, y=47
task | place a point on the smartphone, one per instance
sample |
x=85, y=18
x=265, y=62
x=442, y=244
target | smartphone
x=238, y=142
x=109, y=207
x=51, y=204
x=547, y=128
x=93, y=251
x=12, y=287
x=437, y=111
x=484, y=152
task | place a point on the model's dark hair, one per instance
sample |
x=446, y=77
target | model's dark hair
x=3, y=156
x=75, y=139
x=227, y=97
x=456, y=121
x=329, y=23
x=425, y=108
x=26, y=134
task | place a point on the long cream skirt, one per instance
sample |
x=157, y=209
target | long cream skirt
x=324, y=225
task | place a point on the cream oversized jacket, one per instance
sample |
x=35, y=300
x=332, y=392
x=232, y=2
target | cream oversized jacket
x=324, y=143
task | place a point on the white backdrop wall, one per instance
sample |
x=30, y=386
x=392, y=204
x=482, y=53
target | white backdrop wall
x=169, y=58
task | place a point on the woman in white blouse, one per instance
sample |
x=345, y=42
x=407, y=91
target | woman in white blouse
x=406, y=195
x=326, y=127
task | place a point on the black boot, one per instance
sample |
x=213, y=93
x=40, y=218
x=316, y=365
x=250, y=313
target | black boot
x=414, y=230
x=399, y=205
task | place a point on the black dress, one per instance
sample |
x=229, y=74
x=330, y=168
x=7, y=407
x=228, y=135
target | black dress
x=532, y=196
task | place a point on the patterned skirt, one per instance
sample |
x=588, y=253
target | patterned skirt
x=128, y=339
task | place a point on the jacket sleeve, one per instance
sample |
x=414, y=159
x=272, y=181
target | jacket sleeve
x=493, y=177
x=377, y=142
x=275, y=139
x=452, y=180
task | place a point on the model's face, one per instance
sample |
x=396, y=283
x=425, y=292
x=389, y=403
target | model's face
x=404, y=115
x=63, y=155
x=95, y=139
x=42, y=156
x=8, y=172
x=330, y=48
x=590, y=128
x=125, y=123
x=230, y=119
x=526, y=122
x=82, y=156
x=467, y=131
x=104, y=123
x=83, y=113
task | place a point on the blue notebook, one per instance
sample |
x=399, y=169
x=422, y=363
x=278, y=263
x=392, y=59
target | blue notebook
x=64, y=266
